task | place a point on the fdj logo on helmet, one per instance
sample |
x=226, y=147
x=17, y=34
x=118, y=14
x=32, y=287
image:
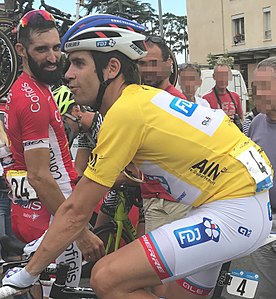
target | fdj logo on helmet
x=106, y=43
x=197, y=234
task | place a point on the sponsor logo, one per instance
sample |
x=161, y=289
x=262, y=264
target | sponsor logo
x=33, y=142
x=29, y=93
x=207, y=170
x=136, y=49
x=244, y=231
x=9, y=97
x=54, y=168
x=12, y=271
x=33, y=216
x=197, y=234
x=71, y=257
x=206, y=121
x=152, y=255
x=106, y=43
x=72, y=44
x=192, y=288
x=184, y=107
x=34, y=205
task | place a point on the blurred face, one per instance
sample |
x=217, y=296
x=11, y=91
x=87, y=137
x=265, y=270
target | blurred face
x=153, y=69
x=43, y=56
x=222, y=75
x=264, y=92
x=82, y=77
x=189, y=80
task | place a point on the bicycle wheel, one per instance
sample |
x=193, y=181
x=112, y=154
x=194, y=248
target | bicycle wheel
x=174, y=75
x=8, y=64
x=7, y=26
x=105, y=232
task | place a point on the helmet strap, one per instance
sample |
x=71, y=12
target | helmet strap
x=103, y=84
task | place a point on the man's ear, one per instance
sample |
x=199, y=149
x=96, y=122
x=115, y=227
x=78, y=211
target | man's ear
x=113, y=68
x=20, y=50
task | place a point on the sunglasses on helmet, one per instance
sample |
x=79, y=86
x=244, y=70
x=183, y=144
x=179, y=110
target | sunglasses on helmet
x=155, y=39
x=33, y=16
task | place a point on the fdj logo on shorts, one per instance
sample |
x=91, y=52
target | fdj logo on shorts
x=197, y=234
x=185, y=107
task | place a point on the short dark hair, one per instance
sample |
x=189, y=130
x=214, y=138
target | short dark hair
x=129, y=67
x=152, y=40
x=40, y=25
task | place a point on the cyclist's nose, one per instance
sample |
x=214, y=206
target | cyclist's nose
x=52, y=57
x=69, y=75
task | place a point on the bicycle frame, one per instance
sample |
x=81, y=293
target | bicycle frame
x=122, y=221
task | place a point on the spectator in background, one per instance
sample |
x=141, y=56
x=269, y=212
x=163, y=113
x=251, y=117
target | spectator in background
x=221, y=98
x=159, y=207
x=263, y=131
x=156, y=67
x=249, y=117
x=189, y=81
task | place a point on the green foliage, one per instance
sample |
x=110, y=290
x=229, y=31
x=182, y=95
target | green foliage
x=222, y=59
x=175, y=27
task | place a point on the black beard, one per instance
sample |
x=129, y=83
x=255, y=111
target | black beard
x=48, y=77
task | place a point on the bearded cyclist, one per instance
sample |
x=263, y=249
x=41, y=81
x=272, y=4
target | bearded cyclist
x=201, y=157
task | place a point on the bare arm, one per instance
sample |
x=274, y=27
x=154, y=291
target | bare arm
x=81, y=160
x=69, y=221
x=48, y=191
x=41, y=179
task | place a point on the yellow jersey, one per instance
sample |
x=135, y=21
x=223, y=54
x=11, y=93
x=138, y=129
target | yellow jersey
x=197, y=153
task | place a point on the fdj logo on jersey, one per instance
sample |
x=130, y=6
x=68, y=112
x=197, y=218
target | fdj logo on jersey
x=184, y=107
x=197, y=234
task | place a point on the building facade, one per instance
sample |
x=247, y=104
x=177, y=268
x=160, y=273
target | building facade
x=244, y=29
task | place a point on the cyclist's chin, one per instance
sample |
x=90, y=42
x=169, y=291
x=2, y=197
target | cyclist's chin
x=81, y=98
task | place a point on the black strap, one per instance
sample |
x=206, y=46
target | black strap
x=219, y=101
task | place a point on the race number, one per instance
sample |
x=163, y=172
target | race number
x=21, y=192
x=257, y=167
x=243, y=283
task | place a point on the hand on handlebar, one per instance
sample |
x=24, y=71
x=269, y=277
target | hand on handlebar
x=19, y=278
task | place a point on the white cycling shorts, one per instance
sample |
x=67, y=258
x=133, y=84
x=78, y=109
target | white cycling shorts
x=191, y=250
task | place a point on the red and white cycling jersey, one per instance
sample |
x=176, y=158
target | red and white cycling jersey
x=32, y=120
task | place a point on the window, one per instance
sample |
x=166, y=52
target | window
x=238, y=29
x=267, y=23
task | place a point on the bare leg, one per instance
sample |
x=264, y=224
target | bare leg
x=126, y=274
x=172, y=290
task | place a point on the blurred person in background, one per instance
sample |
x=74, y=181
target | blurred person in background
x=189, y=80
x=262, y=130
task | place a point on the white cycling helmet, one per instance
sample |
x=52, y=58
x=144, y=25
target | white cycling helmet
x=106, y=33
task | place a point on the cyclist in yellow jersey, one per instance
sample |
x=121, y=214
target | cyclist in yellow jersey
x=198, y=154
